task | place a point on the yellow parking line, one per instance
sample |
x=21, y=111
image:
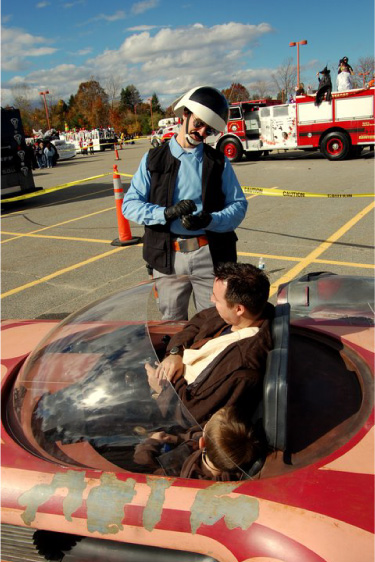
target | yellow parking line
x=51, y=189
x=312, y=256
x=347, y=263
x=75, y=198
x=294, y=258
x=59, y=224
x=51, y=237
x=62, y=271
x=247, y=254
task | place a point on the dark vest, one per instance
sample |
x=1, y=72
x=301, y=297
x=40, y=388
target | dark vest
x=163, y=167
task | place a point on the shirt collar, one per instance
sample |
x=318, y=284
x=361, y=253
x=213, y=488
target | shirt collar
x=178, y=151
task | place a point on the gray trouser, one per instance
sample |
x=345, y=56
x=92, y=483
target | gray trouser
x=174, y=294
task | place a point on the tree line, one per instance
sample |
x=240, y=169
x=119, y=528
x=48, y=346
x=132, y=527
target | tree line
x=123, y=109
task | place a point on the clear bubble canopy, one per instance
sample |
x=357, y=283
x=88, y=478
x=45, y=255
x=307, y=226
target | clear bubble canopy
x=82, y=397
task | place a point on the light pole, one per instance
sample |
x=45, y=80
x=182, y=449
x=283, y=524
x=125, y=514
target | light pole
x=293, y=44
x=136, y=118
x=152, y=119
x=45, y=106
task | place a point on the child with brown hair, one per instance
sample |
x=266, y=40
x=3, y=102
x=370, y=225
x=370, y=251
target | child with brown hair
x=225, y=450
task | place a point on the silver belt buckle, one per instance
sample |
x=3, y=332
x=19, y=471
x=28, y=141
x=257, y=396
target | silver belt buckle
x=188, y=244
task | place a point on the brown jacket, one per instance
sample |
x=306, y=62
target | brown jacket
x=167, y=460
x=237, y=372
x=184, y=459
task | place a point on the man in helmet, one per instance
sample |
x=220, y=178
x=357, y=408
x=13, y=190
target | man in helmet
x=188, y=198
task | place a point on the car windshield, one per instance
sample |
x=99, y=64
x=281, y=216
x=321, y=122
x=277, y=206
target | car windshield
x=82, y=397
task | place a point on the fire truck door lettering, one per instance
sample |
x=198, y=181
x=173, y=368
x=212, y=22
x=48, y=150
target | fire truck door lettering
x=152, y=511
x=39, y=494
x=213, y=504
x=105, y=504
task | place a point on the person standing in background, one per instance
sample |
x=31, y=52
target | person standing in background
x=48, y=153
x=187, y=196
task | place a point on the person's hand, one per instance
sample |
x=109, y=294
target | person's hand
x=164, y=437
x=196, y=222
x=153, y=380
x=184, y=207
x=169, y=368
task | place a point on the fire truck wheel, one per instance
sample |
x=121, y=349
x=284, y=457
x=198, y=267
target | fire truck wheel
x=335, y=146
x=232, y=149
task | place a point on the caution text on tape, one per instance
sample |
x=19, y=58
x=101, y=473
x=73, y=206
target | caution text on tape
x=301, y=194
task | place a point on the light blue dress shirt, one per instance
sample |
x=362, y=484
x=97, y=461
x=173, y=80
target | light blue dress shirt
x=136, y=206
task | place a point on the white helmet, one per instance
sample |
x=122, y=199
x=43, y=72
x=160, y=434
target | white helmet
x=207, y=103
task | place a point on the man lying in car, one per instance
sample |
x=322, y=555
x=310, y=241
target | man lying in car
x=221, y=353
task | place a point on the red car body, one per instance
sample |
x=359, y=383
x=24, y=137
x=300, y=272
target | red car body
x=312, y=500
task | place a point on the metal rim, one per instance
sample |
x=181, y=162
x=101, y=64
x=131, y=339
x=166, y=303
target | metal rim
x=335, y=146
x=230, y=150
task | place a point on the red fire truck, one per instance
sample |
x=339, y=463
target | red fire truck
x=339, y=128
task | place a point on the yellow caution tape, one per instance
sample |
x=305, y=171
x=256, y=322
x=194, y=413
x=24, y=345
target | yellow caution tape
x=246, y=189
x=51, y=189
x=284, y=193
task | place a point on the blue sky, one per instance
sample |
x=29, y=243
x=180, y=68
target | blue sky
x=167, y=46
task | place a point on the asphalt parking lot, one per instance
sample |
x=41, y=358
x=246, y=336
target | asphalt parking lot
x=57, y=254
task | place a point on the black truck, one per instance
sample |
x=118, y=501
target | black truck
x=16, y=160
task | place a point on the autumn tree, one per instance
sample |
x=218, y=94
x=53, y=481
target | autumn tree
x=236, y=92
x=285, y=77
x=262, y=90
x=58, y=115
x=91, y=103
x=115, y=118
x=365, y=66
x=22, y=100
x=112, y=88
x=169, y=112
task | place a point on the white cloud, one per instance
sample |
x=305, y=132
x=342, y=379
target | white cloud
x=167, y=62
x=220, y=38
x=17, y=46
x=68, y=5
x=144, y=6
x=83, y=52
x=119, y=15
x=145, y=27
x=43, y=4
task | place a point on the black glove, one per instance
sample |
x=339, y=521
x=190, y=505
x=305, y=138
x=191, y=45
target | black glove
x=184, y=207
x=196, y=222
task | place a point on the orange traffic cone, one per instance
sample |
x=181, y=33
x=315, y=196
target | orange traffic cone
x=125, y=236
x=116, y=153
